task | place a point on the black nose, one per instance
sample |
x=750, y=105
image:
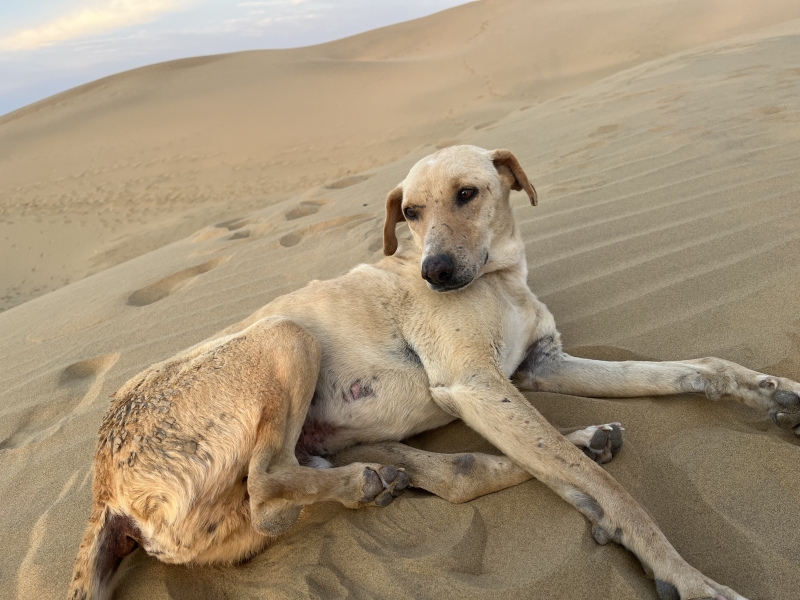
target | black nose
x=437, y=268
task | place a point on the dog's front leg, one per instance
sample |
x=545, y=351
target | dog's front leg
x=493, y=407
x=548, y=369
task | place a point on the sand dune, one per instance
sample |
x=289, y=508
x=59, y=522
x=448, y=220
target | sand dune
x=668, y=227
x=110, y=170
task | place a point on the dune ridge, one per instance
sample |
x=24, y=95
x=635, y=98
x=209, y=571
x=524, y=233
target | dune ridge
x=667, y=228
x=105, y=172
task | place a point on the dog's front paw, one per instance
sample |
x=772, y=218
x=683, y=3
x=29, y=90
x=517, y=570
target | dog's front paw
x=599, y=442
x=382, y=484
x=782, y=399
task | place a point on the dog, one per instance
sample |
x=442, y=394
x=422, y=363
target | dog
x=208, y=456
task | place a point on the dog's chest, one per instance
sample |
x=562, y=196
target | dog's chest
x=516, y=334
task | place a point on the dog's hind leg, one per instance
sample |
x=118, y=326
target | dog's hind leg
x=547, y=368
x=277, y=485
x=465, y=476
x=278, y=495
x=455, y=477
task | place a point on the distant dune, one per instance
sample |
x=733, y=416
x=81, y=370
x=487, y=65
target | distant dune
x=667, y=160
x=110, y=170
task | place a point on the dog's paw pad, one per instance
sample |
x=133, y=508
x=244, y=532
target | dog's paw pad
x=383, y=485
x=372, y=486
x=600, y=442
x=784, y=403
x=786, y=419
x=394, y=480
x=787, y=399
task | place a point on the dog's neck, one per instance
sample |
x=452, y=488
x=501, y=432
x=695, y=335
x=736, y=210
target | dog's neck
x=507, y=257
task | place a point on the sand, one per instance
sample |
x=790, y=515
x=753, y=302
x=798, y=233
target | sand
x=668, y=227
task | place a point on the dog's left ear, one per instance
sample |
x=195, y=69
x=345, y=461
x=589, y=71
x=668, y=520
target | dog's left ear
x=394, y=215
x=504, y=158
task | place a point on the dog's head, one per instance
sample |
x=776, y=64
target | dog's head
x=455, y=202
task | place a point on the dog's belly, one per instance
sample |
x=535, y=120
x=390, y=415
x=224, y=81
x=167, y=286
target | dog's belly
x=374, y=405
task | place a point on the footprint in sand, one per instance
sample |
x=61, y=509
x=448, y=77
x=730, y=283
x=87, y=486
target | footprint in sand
x=171, y=284
x=240, y=235
x=86, y=370
x=446, y=143
x=212, y=232
x=80, y=383
x=294, y=237
x=306, y=208
x=233, y=224
x=606, y=129
x=291, y=239
x=346, y=182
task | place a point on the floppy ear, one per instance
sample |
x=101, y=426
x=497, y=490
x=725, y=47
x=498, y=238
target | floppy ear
x=504, y=158
x=393, y=216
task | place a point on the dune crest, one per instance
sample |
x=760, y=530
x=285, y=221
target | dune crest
x=107, y=171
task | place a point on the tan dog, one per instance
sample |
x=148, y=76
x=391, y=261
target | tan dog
x=206, y=457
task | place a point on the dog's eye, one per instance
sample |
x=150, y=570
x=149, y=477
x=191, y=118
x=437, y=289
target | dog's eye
x=466, y=195
x=410, y=213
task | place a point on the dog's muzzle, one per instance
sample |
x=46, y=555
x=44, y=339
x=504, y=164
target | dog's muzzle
x=439, y=271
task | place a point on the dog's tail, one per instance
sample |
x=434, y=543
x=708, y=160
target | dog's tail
x=108, y=539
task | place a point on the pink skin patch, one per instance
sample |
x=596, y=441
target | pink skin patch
x=357, y=391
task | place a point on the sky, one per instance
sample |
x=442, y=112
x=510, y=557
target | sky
x=48, y=46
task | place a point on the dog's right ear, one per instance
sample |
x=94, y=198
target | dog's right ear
x=394, y=214
x=504, y=158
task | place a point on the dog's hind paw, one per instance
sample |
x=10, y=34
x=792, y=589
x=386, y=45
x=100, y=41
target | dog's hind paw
x=383, y=484
x=599, y=442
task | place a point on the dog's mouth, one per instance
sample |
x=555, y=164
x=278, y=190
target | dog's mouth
x=449, y=286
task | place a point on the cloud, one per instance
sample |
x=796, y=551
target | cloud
x=271, y=3
x=92, y=20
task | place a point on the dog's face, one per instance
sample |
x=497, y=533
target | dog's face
x=455, y=202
